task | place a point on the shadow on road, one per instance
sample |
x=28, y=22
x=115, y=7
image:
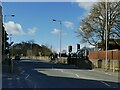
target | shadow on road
x=31, y=78
x=42, y=64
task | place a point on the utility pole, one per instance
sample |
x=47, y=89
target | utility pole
x=106, y=38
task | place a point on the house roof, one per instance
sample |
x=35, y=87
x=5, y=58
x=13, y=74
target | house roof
x=113, y=44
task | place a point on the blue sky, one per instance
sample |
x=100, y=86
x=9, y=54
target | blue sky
x=33, y=21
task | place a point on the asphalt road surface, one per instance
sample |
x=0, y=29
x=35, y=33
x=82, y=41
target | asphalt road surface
x=40, y=74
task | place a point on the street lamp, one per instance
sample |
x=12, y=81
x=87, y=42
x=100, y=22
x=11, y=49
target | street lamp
x=12, y=15
x=106, y=37
x=60, y=34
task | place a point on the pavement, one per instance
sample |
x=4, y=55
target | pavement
x=107, y=72
x=6, y=71
x=11, y=79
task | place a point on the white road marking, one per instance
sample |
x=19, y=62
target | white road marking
x=105, y=84
x=9, y=78
x=77, y=75
x=27, y=76
x=61, y=70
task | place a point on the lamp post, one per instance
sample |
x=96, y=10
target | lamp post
x=60, y=34
x=106, y=38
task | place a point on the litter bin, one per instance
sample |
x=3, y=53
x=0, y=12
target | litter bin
x=99, y=63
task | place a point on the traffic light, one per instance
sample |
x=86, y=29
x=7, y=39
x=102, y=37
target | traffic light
x=78, y=47
x=6, y=44
x=70, y=48
x=11, y=43
x=7, y=51
x=4, y=41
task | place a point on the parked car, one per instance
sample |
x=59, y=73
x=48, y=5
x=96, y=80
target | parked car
x=17, y=57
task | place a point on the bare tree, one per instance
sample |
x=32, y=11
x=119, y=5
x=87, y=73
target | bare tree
x=93, y=27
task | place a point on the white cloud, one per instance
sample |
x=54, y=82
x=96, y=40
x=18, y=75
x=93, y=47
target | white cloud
x=55, y=31
x=32, y=30
x=68, y=24
x=86, y=5
x=14, y=28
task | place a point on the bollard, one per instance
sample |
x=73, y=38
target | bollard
x=113, y=66
x=11, y=65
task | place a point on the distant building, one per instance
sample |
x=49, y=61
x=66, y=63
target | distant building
x=113, y=44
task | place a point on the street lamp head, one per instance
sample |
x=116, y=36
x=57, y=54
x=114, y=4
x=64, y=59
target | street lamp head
x=12, y=15
x=54, y=20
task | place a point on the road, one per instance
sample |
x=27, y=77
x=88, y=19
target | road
x=40, y=74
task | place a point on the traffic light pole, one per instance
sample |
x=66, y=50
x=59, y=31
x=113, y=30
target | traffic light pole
x=9, y=58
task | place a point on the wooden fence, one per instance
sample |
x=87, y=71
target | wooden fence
x=112, y=55
x=98, y=58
